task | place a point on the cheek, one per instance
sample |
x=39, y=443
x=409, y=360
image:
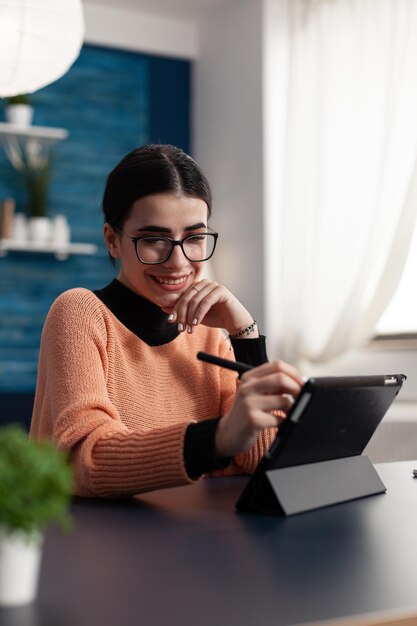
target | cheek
x=127, y=255
x=199, y=270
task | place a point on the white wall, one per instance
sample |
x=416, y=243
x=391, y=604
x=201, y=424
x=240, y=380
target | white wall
x=228, y=130
x=133, y=30
x=275, y=83
x=376, y=361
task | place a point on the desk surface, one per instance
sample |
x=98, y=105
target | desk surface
x=184, y=557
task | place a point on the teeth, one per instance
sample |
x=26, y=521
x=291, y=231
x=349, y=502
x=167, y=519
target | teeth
x=166, y=281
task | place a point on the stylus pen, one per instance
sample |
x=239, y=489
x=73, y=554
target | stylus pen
x=236, y=366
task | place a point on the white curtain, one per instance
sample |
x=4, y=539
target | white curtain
x=340, y=218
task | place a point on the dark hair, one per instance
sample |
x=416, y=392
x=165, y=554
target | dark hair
x=149, y=169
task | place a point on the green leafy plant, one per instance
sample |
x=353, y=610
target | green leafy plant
x=34, y=166
x=22, y=98
x=35, y=483
x=36, y=179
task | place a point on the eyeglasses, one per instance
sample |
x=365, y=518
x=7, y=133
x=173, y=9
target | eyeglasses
x=153, y=250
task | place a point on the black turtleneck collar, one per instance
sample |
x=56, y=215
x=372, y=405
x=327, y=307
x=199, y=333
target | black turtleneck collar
x=144, y=318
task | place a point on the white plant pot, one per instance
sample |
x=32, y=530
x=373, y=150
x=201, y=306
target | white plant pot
x=40, y=229
x=20, y=561
x=19, y=228
x=60, y=231
x=19, y=114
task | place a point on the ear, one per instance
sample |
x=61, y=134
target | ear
x=112, y=241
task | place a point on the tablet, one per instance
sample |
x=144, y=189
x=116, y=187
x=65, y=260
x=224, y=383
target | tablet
x=332, y=418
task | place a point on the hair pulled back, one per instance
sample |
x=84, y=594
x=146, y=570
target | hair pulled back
x=150, y=169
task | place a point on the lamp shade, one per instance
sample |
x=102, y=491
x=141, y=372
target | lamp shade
x=39, y=41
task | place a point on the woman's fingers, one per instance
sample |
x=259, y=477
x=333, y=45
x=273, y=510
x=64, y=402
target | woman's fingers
x=207, y=297
x=239, y=429
x=209, y=303
x=263, y=398
x=195, y=303
x=262, y=407
x=272, y=384
x=280, y=369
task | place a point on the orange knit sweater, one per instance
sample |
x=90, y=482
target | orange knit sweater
x=121, y=407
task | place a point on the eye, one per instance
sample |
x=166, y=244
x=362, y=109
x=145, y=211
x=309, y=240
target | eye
x=196, y=238
x=153, y=241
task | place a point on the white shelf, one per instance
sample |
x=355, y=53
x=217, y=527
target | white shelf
x=60, y=252
x=45, y=135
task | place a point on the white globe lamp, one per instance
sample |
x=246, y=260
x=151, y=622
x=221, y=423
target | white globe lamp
x=39, y=41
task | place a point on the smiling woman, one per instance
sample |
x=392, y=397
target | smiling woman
x=119, y=385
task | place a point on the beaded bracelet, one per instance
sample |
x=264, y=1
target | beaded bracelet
x=245, y=331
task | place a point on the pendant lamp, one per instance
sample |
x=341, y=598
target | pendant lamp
x=39, y=41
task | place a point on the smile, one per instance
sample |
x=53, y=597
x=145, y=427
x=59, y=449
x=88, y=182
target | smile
x=171, y=281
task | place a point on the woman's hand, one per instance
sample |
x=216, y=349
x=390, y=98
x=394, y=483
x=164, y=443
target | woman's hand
x=211, y=304
x=261, y=390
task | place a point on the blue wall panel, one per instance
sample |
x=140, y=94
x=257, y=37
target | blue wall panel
x=110, y=102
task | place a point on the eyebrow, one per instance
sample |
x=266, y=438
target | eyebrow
x=162, y=229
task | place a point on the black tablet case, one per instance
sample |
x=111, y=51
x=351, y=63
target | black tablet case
x=316, y=459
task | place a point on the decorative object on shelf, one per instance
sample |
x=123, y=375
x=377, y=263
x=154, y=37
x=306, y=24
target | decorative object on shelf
x=60, y=231
x=34, y=492
x=39, y=41
x=33, y=164
x=19, y=228
x=40, y=229
x=18, y=110
x=7, y=208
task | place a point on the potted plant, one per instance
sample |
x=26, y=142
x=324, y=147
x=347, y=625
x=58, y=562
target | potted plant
x=34, y=166
x=19, y=110
x=35, y=171
x=34, y=492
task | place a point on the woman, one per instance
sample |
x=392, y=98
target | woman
x=119, y=386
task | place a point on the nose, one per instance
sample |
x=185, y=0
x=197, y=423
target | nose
x=177, y=257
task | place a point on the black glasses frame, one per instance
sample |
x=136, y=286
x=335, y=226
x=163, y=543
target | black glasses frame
x=173, y=242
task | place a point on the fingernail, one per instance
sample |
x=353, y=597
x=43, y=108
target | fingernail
x=189, y=329
x=195, y=321
x=170, y=317
x=180, y=327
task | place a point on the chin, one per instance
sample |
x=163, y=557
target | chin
x=166, y=300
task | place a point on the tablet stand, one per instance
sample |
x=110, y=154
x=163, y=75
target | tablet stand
x=290, y=490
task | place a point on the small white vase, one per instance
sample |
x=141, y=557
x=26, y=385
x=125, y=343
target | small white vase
x=60, y=231
x=20, y=561
x=19, y=228
x=19, y=114
x=40, y=229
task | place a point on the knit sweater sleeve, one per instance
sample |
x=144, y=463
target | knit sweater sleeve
x=73, y=408
x=251, y=351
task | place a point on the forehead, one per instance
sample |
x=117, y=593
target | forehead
x=167, y=210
